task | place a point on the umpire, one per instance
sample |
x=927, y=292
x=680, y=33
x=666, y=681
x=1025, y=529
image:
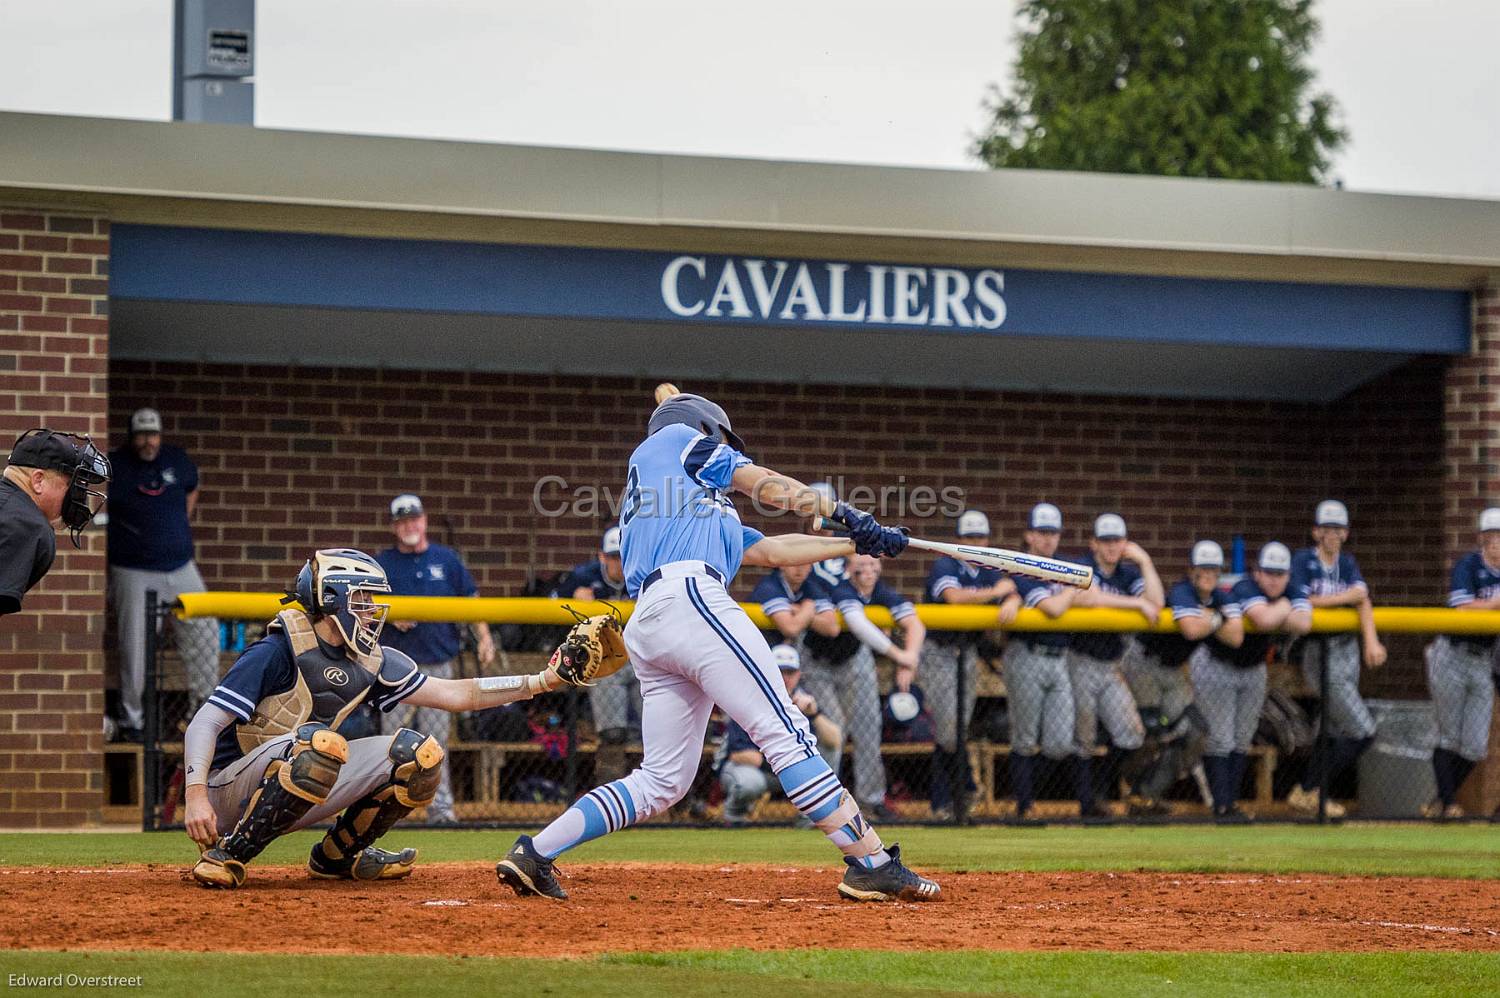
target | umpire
x=47, y=478
x=417, y=567
x=1458, y=673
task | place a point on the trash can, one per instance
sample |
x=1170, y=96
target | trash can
x=1395, y=773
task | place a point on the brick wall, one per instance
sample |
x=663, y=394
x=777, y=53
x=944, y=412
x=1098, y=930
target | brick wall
x=293, y=459
x=54, y=347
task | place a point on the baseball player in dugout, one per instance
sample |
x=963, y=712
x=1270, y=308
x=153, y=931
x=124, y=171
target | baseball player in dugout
x=415, y=566
x=693, y=646
x=1126, y=579
x=151, y=503
x=1156, y=668
x=262, y=757
x=1229, y=671
x=615, y=701
x=1459, y=673
x=50, y=477
x=946, y=652
x=839, y=669
x=1037, y=686
x=1330, y=577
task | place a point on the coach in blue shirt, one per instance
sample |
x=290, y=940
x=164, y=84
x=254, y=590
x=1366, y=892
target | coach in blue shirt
x=418, y=567
x=152, y=496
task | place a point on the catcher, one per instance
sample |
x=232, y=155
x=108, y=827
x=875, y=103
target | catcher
x=262, y=755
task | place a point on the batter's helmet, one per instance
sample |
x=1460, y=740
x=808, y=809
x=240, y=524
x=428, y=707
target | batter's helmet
x=699, y=413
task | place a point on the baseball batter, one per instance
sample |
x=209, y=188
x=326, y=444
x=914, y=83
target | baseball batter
x=1330, y=577
x=692, y=647
x=262, y=757
x=1124, y=578
x=1037, y=687
x=1458, y=673
x=948, y=652
x=1229, y=671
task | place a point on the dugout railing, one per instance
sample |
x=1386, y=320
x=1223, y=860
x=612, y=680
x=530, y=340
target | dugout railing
x=523, y=765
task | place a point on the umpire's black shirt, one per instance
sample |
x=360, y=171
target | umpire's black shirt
x=27, y=545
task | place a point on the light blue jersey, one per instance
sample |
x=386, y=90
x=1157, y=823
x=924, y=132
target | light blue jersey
x=677, y=505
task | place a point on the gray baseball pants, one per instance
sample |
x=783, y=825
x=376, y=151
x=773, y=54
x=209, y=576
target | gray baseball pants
x=849, y=694
x=197, y=639
x=1039, y=694
x=1100, y=696
x=1230, y=699
x=1463, y=695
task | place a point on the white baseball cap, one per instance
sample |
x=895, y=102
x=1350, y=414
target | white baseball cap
x=1275, y=557
x=1045, y=516
x=145, y=421
x=1207, y=554
x=611, y=542
x=1109, y=526
x=405, y=505
x=904, y=706
x=787, y=658
x=1331, y=513
x=973, y=524
x=1489, y=519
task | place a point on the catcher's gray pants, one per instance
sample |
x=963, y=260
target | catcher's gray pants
x=850, y=695
x=1101, y=696
x=1040, y=697
x=1168, y=690
x=197, y=639
x=1348, y=717
x=1463, y=695
x=430, y=721
x=368, y=769
x=611, y=700
x=938, y=678
x=1230, y=699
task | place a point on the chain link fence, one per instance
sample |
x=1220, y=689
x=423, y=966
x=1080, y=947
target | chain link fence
x=1037, y=736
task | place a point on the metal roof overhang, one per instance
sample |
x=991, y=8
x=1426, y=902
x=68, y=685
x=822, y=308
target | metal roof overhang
x=229, y=177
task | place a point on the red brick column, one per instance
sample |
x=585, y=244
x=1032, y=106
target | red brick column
x=54, y=354
x=1472, y=422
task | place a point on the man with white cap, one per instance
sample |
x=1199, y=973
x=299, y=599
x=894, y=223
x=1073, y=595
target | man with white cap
x=1038, y=691
x=1156, y=668
x=152, y=498
x=1125, y=579
x=1229, y=671
x=416, y=566
x=1459, y=673
x=946, y=652
x=1331, y=578
x=742, y=765
x=616, y=699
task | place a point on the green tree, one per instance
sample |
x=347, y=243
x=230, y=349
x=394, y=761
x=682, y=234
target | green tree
x=1182, y=88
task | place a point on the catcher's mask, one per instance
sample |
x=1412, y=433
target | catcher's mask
x=75, y=456
x=344, y=584
x=698, y=412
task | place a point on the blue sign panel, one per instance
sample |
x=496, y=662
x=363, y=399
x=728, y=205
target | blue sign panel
x=273, y=268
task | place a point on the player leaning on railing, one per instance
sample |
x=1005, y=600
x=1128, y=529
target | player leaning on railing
x=262, y=755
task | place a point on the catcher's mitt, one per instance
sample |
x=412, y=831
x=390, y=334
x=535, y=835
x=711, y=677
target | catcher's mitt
x=593, y=649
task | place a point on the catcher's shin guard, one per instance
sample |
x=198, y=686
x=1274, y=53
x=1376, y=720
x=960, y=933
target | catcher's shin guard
x=290, y=788
x=345, y=851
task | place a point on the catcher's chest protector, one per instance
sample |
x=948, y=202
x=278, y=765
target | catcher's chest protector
x=326, y=689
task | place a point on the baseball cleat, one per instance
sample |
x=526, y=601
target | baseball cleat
x=891, y=882
x=1233, y=816
x=215, y=869
x=529, y=873
x=371, y=864
x=1306, y=802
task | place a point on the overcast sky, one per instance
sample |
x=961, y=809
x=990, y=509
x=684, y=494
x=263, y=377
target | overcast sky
x=870, y=81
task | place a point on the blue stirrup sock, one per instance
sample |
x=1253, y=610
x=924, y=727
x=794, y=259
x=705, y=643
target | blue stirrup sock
x=604, y=809
x=817, y=793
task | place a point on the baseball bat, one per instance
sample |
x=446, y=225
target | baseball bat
x=1012, y=562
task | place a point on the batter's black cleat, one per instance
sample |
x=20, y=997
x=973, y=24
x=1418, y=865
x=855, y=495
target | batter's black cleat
x=529, y=873
x=371, y=864
x=891, y=882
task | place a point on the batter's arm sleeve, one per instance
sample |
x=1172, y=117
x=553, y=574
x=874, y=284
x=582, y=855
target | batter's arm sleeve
x=199, y=740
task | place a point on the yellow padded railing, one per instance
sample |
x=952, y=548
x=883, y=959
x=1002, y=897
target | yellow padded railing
x=937, y=616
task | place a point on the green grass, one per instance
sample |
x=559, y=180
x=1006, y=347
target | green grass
x=786, y=974
x=1407, y=849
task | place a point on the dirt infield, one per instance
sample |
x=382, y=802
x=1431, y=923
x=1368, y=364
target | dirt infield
x=461, y=909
